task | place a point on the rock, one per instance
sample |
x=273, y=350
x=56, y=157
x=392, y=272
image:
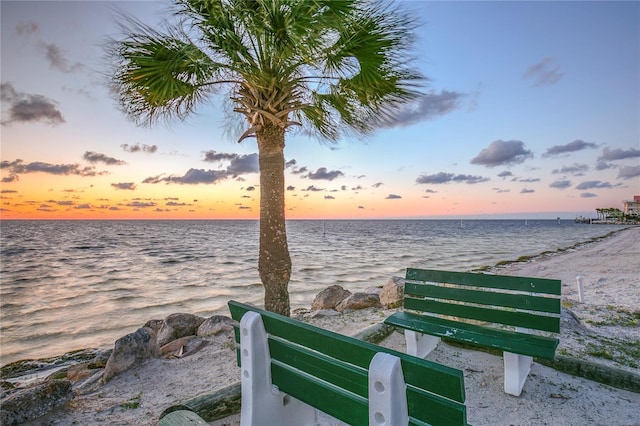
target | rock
x=183, y=346
x=34, y=401
x=392, y=294
x=176, y=326
x=215, y=325
x=100, y=361
x=359, y=301
x=129, y=349
x=154, y=324
x=329, y=298
x=373, y=290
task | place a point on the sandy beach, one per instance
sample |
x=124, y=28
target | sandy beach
x=605, y=330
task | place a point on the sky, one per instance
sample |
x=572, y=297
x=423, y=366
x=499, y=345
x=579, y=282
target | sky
x=532, y=110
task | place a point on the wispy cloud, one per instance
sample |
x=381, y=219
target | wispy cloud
x=442, y=177
x=429, y=107
x=618, y=154
x=18, y=167
x=124, y=185
x=57, y=60
x=543, y=73
x=94, y=157
x=594, y=184
x=26, y=107
x=560, y=184
x=577, y=145
x=149, y=149
x=629, y=172
x=323, y=174
x=576, y=170
x=502, y=153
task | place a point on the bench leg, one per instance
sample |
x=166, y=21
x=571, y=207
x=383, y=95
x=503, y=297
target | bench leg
x=387, y=391
x=419, y=344
x=516, y=370
x=262, y=402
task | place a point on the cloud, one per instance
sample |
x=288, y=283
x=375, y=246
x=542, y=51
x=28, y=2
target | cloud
x=94, y=157
x=560, y=184
x=393, y=197
x=543, y=73
x=150, y=149
x=577, y=145
x=629, y=172
x=19, y=167
x=197, y=176
x=602, y=165
x=576, y=170
x=141, y=204
x=505, y=174
x=239, y=164
x=329, y=197
x=593, y=184
x=429, y=107
x=212, y=156
x=290, y=163
x=26, y=28
x=588, y=195
x=323, y=174
x=313, y=188
x=124, y=185
x=26, y=108
x=618, y=154
x=251, y=188
x=377, y=184
x=442, y=177
x=57, y=59
x=501, y=153
x=527, y=191
x=243, y=164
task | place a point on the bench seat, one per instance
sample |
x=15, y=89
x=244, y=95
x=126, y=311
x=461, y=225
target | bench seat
x=504, y=340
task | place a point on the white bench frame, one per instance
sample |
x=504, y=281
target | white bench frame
x=264, y=404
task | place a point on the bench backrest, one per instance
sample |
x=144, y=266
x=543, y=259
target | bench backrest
x=328, y=371
x=532, y=303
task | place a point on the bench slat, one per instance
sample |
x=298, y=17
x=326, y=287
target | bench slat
x=517, y=301
x=505, y=282
x=424, y=410
x=531, y=345
x=441, y=380
x=344, y=375
x=328, y=398
x=498, y=316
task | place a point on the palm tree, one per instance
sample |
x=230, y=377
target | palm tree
x=329, y=66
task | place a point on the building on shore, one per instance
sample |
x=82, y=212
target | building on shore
x=632, y=207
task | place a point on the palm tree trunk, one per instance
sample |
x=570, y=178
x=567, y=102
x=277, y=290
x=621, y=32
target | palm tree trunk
x=274, y=264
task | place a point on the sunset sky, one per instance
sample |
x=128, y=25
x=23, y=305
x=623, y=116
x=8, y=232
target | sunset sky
x=532, y=111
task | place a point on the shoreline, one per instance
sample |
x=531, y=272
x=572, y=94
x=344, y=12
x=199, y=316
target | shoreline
x=606, y=318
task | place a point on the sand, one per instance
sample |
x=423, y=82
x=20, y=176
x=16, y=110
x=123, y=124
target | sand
x=611, y=280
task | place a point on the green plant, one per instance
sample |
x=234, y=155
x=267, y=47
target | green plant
x=132, y=403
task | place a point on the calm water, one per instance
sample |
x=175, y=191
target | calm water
x=72, y=285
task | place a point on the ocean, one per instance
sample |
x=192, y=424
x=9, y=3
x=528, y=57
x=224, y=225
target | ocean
x=68, y=285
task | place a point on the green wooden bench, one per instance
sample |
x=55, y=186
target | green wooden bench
x=290, y=368
x=517, y=315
